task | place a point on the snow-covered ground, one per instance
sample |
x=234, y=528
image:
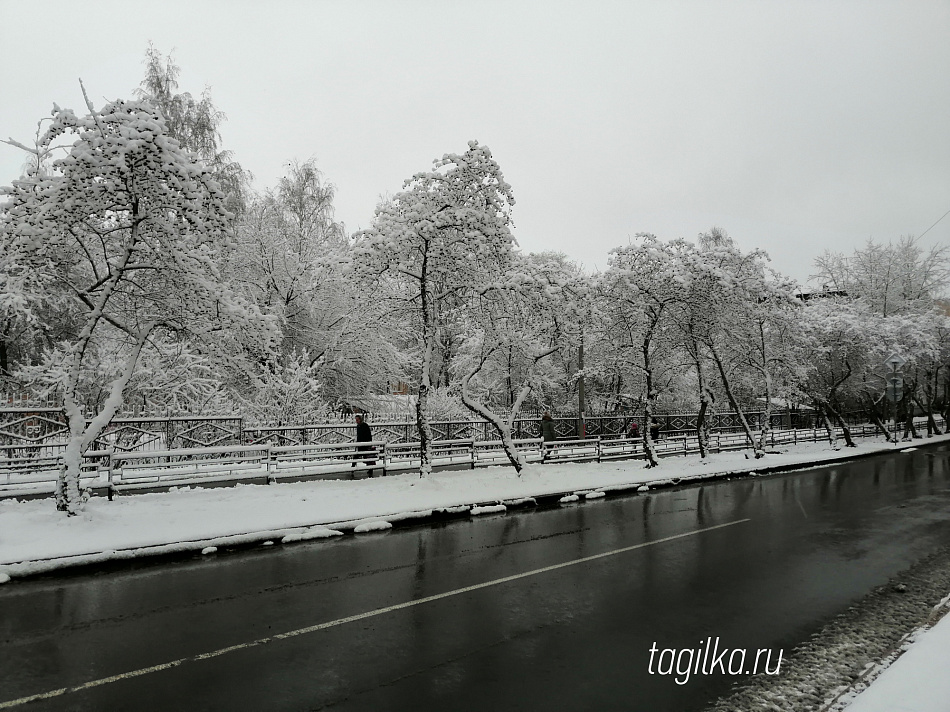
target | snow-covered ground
x=35, y=538
x=917, y=681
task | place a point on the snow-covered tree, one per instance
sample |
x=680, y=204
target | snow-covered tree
x=194, y=123
x=740, y=292
x=696, y=321
x=291, y=261
x=842, y=342
x=443, y=237
x=642, y=287
x=892, y=278
x=125, y=234
x=516, y=325
x=289, y=393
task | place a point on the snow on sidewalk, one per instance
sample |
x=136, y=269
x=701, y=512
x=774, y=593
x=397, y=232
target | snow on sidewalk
x=917, y=681
x=34, y=537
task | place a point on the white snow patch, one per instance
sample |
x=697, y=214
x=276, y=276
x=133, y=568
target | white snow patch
x=594, y=495
x=489, y=509
x=917, y=680
x=4, y=578
x=311, y=533
x=403, y=516
x=643, y=488
x=268, y=543
x=519, y=501
x=207, y=550
x=909, y=449
x=374, y=526
x=568, y=498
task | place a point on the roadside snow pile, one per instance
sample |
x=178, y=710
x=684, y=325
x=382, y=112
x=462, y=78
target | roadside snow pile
x=207, y=550
x=4, y=578
x=569, y=498
x=374, y=526
x=594, y=495
x=488, y=509
x=917, y=680
x=841, y=659
x=455, y=510
x=311, y=533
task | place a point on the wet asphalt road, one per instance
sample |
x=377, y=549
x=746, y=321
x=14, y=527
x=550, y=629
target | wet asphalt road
x=572, y=638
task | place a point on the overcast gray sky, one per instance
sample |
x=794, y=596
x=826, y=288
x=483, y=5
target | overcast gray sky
x=796, y=126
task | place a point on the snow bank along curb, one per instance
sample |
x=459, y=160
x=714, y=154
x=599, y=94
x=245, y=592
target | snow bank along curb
x=382, y=520
x=832, y=667
x=873, y=670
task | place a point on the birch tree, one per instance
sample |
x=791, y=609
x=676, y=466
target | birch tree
x=195, y=123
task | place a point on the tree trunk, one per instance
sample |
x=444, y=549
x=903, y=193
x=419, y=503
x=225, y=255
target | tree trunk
x=648, y=448
x=425, y=379
x=932, y=428
x=876, y=419
x=702, y=427
x=705, y=400
x=503, y=427
x=4, y=357
x=69, y=497
x=849, y=441
x=767, y=415
x=829, y=428
x=735, y=404
x=910, y=430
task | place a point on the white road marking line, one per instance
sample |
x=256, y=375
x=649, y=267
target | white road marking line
x=349, y=619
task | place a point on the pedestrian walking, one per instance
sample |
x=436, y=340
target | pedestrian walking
x=654, y=429
x=547, y=434
x=363, y=435
x=634, y=431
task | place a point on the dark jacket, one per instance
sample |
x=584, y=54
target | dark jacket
x=363, y=433
x=547, y=429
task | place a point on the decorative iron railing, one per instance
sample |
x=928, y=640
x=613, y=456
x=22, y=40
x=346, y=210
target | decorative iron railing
x=44, y=432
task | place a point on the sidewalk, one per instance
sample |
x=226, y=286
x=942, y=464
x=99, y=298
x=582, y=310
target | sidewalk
x=35, y=538
x=917, y=681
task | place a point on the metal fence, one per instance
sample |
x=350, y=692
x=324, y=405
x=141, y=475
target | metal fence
x=115, y=471
x=44, y=432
